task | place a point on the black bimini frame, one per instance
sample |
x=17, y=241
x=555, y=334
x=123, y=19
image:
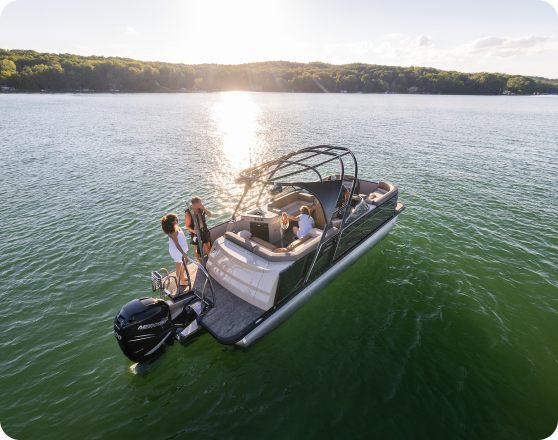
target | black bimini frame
x=280, y=171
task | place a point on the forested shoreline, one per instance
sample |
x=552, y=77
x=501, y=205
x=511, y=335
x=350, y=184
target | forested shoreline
x=27, y=70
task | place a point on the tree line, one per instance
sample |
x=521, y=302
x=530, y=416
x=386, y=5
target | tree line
x=29, y=70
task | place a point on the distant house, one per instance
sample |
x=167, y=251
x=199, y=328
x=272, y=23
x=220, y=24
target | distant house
x=342, y=91
x=257, y=88
x=5, y=88
x=112, y=87
x=183, y=89
x=413, y=89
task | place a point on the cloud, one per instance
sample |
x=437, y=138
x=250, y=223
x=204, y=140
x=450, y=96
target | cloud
x=510, y=47
x=422, y=41
x=487, y=42
x=546, y=48
x=130, y=30
x=423, y=50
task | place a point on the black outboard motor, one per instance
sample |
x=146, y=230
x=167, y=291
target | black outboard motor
x=142, y=326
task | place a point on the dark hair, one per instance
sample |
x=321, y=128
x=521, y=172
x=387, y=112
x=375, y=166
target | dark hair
x=196, y=200
x=304, y=210
x=167, y=223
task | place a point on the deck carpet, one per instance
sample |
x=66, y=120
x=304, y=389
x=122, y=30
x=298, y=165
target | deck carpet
x=230, y=314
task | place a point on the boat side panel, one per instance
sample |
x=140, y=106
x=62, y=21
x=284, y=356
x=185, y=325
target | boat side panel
x=291, y=278
x=325, y=258
x=362, y=227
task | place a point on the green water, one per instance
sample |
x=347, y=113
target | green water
x=446, y=330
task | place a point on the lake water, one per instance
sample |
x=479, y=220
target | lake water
x=446, y=330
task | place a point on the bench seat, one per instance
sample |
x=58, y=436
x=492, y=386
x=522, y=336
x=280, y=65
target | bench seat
x=381, y=195
x=301, y=248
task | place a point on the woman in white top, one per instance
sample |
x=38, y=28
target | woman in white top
x=305, y=222
x=178, y=247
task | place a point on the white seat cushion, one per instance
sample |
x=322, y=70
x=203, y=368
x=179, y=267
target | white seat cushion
x=315, y=232
x=336, y=222
x=245, y=234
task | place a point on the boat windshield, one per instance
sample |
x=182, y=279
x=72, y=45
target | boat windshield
x=359, y=210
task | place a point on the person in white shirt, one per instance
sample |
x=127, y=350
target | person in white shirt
x=178, y=248
x=305, y=222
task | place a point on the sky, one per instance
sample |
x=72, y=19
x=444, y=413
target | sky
x=508, y=36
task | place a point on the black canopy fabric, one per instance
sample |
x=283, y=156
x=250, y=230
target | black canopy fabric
x=327, y=193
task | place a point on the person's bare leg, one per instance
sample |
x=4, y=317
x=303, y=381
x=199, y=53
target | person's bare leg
x=196, y=253
x=182, y=279
x=295, y=230
x=207, y=247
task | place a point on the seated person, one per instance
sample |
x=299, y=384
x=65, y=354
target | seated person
x=343, y=197
x=305, y=222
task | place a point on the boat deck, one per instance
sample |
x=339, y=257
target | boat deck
x=230, y=314
x=288, y=238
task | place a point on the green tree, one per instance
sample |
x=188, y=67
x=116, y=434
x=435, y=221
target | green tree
x=7, y=67
x=520, y=84
x=27, y=69
x=198, y=83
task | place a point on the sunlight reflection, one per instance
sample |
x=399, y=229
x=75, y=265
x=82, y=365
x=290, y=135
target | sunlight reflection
x=239, y=138
x=236, y=117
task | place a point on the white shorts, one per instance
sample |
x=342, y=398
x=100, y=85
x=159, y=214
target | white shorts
x=176, y=256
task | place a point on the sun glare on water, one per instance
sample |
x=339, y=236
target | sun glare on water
x=239, y=138
x=236, y=119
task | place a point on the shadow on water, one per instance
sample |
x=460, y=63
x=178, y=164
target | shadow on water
x=149, y=367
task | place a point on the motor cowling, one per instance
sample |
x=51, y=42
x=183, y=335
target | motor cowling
x=141, y=328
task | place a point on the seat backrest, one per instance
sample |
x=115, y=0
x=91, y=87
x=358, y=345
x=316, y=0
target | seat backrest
x=320, y=218
x=392, y=191
x=385, y=185
x=299, y=242
x=300, y=251
x=263, y=243
x=285, y=200
x=242, y=242
x=309, y=199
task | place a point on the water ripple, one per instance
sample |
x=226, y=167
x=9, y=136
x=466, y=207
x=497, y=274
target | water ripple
x=445, y=330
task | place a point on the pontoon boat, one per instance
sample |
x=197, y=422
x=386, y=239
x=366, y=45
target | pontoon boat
x=257, y=272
